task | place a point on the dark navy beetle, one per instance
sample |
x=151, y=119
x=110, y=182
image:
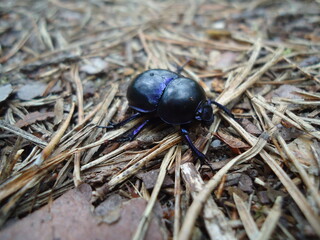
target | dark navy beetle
x=175, y=99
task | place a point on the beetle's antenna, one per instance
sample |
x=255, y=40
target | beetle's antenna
x=180, y=68
x=223, y=108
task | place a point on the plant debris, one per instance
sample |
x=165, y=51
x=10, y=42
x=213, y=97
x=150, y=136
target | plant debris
x=5, y=92
x=65, y=67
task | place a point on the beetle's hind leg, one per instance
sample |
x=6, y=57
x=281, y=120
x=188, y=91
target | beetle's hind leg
x=133, y=133
x=203, y=159
x=124, y=122
x=180, y=68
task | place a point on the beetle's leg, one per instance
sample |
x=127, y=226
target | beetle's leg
x=198, y=153
x=134, y=133
x=116, y=125
x=223, y=108
x=180, y=68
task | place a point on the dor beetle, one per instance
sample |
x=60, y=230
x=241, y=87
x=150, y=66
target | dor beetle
x=175, y=99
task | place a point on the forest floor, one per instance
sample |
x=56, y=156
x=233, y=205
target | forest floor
x=65, y=68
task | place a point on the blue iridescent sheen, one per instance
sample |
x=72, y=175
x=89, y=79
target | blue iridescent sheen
x=180, y=101
x=145, y=91
x=171, y=97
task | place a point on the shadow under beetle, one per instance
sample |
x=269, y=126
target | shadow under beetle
x=174, y=99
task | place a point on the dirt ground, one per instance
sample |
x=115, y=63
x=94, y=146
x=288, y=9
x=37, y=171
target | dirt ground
x=65, y=68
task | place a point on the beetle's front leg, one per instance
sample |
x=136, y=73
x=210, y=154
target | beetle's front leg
x=199, y=154
x=180, y=68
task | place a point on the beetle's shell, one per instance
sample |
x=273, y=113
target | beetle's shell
x=180, y=100
x=145, y=91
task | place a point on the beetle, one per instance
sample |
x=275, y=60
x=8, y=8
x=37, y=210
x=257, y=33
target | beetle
x=173, y=98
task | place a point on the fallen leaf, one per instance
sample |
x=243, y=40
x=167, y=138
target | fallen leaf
x=288, y=133
x=273, y=194
x=263, y=197
x=218, y=85
x=287, y=91
x=89, y=88
x=34, y=117
x=94, y=66
x=222, y=61
x=109, y=211
x=69, y=217
x=301, y=148
x=58, y=111
x=230, y=140
x=312, y=60
x=5, y=92
x=245, y=183
x=150, y=179
x=31, y=90
x=239, y=192
x=250, y=127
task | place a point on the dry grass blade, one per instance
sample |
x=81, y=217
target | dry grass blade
x=196, y=206
x=300, y=200
x=20, y=132
x=16, y=47
x=237, y=90
x=177, y=190
x=255, y=56
x=145, y=220
x=14, y=200
x=294, y=192
x=114, y=153
x=304, y=125
x=77, y=80
x=310, y=185
x=55, y=140
x=164, y=145
x=291, y=157
x=260, y=101
x=24, y=177
x=45, y=34
x=152, y=153
x=271, y=221
x=215, y=221
x=76, y=170
x=246, y=218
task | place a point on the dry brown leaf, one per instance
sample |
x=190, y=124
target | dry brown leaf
x=109, y=211
x=94, y=66
x=31, y=90
x=287, y=91
x=301, y=148
x=70, y=217
x=245, y=183
x=34, y=117
x=230, y=140
x=5, y=91
x=150, y=178
x=250, y=127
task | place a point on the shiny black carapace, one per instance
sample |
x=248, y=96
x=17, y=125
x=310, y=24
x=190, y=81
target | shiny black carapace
x=175, y=99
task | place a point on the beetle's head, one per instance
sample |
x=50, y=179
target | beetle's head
x=204, y=112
